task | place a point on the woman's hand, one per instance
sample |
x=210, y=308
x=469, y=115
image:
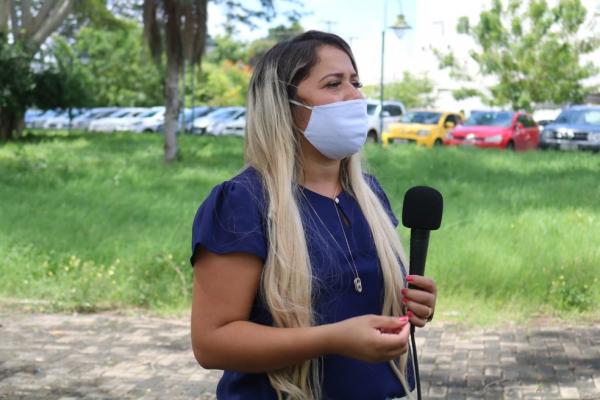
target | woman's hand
x=371, y=338
x=420, y=303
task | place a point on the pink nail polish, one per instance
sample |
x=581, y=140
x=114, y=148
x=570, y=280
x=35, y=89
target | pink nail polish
x=409, y=278
x=410, y=314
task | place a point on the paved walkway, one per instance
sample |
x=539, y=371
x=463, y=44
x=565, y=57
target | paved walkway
x=104, y=356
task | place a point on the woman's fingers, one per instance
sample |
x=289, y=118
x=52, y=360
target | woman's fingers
x=422, y=282
x=420, y=302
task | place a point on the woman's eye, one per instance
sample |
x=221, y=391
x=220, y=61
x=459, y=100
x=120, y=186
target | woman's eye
x=334, y=84
x=357, y=85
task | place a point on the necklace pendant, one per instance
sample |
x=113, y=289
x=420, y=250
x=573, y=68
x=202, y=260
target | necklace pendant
x=358, y=285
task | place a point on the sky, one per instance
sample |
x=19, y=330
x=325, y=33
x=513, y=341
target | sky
x=361, y=23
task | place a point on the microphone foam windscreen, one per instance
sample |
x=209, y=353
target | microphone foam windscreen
x=422, y=208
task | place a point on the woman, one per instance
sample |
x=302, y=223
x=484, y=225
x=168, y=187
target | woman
x=299, y=285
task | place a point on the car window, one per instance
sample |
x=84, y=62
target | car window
x=393, y=110
x=452, y=118
x=592, y=117
x=422, y=117
x=586, y=116
x=489, y=118
x=371, y=109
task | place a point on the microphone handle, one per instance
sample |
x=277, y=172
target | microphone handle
x=419, y=241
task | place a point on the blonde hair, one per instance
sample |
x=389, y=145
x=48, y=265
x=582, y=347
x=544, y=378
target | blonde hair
x=272, y=147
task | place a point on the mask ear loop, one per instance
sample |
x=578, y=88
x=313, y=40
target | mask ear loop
x=300, y=104
x=295, y=102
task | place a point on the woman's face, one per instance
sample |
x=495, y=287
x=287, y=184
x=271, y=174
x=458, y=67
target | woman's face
x=330, y=80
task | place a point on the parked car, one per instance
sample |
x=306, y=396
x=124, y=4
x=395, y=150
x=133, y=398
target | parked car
x=500, y=129
x=62, y=119
x=148, y=121
x=212, y=122
x=115, y=120
x=82, y=122
x=236, y=127
x=190, y=114
x=30, y=116
x=577, y=127
x=391, y=112
x=39, y=120
x=426, y=128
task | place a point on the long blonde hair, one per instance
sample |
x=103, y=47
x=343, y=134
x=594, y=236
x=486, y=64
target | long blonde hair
x=272, y=147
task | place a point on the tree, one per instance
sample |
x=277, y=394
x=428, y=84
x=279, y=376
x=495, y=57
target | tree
x=29, y=24
x=413, y=91
x=121, y=66
x=531, y=50
x=180, y=25
x=15, y=94
x=64, y=84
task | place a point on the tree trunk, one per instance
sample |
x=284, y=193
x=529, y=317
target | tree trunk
x=11, y=125
x=172, y=109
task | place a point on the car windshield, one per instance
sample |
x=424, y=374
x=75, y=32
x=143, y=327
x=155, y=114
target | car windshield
x=490, y=118
x=149, y=114
x=588, y=117
x=371, y=108
x=422, y=117
x=223, y=114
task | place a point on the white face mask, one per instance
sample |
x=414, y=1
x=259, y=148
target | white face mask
x=338, y=130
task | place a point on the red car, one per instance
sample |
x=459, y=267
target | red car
x=500, y=129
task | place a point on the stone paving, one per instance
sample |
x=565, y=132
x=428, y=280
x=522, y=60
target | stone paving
x=106, y=356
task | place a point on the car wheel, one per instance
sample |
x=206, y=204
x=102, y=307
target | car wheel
x=438, y=142
x=510, y=146
x=372, y=137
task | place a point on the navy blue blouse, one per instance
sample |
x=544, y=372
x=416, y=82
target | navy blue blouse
x=232, y=219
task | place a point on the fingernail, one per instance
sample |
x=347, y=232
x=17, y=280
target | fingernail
x=404, y=300
x=410, y=314
x=409, y=278
x=403, y=319
x=404, y=291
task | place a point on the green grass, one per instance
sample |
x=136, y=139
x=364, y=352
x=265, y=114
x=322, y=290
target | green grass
x=92, y=221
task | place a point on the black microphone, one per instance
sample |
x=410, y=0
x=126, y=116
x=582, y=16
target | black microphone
x=421, y=212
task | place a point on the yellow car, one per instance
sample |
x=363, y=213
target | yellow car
x=426, y=128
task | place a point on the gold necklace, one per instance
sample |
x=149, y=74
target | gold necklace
x=357, y=280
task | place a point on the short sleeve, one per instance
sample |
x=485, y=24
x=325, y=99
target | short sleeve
x=230, y=221
x=376, y=187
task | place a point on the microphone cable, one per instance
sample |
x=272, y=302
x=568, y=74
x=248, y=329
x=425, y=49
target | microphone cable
x=415, y=361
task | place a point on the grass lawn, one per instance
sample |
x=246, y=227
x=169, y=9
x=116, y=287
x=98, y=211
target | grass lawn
x=96, y=221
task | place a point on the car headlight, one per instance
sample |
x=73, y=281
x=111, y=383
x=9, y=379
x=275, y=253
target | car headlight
x=493, y=139
x=423, y=132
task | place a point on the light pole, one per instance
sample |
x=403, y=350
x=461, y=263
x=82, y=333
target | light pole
x=399, y=28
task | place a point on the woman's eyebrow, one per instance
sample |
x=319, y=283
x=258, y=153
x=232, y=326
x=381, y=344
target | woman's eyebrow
x=338, y=75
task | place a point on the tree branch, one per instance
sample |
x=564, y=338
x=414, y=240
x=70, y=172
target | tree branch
x=25, y=14
x=42, y=14
x=14, y=19
x=4, y=15
x=52, y=23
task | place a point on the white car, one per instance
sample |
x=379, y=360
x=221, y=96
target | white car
x=236, y=127
x=392, y=112
x=149, y=121
x=61, y=120
x=82, y=121
x=213, y=123
x=116, y=120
